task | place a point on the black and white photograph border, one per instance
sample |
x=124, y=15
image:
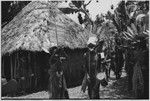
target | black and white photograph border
x=75, y=50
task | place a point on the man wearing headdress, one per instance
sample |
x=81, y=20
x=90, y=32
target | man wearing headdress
x=57, y=87
x=91, y=62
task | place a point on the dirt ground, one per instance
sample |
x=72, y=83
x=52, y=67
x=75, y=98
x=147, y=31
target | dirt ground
x=116, y=89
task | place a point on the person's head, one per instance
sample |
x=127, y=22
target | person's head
x=92, y=43
x=91, y=46
x=140, y=42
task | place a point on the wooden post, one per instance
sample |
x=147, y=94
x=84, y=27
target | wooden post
x=3, y=61
x=15, y=65
x=30, y=72
x=17, y=69
x=11, y=66
x=35, y=69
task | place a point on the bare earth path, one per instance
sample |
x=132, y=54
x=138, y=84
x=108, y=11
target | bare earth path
x=114, y=90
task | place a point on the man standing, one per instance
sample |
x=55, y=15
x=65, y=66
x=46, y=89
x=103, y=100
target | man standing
x=90, y=79
x=57, y=87
x=119, y=60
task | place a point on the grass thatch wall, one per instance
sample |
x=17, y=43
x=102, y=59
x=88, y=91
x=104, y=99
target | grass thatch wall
x=33, y=67
x=74, y=70
x=27, y=68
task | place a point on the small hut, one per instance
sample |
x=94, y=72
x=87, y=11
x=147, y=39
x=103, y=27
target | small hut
x=26, y=40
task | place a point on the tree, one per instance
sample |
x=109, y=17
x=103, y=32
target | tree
x=131, y=21
x=11, y=9
x=126, y=15
x=98, y=23
x=79, y=7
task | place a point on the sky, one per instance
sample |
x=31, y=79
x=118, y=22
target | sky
x=102, y=6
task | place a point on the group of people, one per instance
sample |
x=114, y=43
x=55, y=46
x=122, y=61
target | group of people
x=57, y=87
x=97, y=69
x=99, y=61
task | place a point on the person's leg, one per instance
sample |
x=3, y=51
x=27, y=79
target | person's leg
x=66, y=95
x=50, y=89
x=106, y=73
x=92, y=82
x=146, y=84
x=90, y=90
x=54, y=87
x=95, y=90
x=130, y=76
x=117, y=71
x=84, y=83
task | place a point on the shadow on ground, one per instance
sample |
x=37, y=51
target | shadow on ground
x=116, y=89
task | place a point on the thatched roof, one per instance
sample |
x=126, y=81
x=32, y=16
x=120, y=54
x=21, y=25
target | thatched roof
x=35, y=28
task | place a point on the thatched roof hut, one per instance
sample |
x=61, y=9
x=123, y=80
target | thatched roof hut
x=40, y=26
x=37, y=28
